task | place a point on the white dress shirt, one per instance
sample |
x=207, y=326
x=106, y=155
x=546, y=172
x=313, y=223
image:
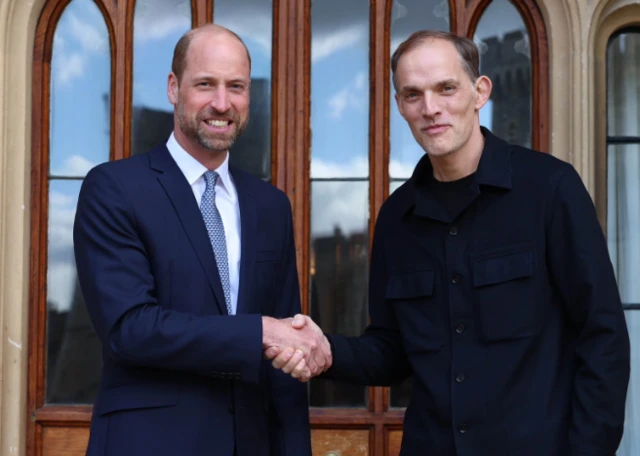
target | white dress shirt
x=226, y=202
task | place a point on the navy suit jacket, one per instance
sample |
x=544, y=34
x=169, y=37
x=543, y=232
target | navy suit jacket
x=180, y=376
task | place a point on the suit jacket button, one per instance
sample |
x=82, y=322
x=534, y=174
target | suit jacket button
x=231, y=409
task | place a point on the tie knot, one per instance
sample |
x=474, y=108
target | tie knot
x=211, y=177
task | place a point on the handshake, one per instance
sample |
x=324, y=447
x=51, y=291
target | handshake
x=297, y=346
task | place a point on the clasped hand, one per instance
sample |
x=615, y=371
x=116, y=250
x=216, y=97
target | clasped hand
x=297, y=346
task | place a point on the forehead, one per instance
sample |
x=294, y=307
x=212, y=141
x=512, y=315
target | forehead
x=216, y=52
x=432, y=60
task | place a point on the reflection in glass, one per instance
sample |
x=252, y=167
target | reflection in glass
x=623, y=90
x=623, y=217
x=339, y=184
x=252, y=151
x=157, y=27
x=73, y=349
x=80, y=85
x=408, y=16
x=338, y=299
x=340, y=88
x=630, y=445
x=505, y=58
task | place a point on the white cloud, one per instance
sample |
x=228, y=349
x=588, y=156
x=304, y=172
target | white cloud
x=400, y=169
x=353, y=96
x=358, y=167
x=338, y=103
x=339, y=204
x=346, y=204
x=61, y=280
x=75, y=165
x=69, y=66
x=147, y=29
x=325, y=44
x=88, y=35
x=156, y=19
x=61, y=270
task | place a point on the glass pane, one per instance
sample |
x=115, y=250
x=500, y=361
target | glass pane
x=339, y=272
x=623, y=85
x=252, y=151
x=340, y=88
x=407, y=17
x=157, y=27
x=505, y=58
x=630, y=445
x=73, y=350
x=80, y=85
x=623, y=217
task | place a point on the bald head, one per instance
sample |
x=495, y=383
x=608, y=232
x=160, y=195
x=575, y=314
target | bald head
x=182, y=47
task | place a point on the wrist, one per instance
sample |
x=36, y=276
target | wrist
x=268, y=331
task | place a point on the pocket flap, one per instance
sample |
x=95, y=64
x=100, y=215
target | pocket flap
x=410, y=284
x=502, y=268
x=130, y=397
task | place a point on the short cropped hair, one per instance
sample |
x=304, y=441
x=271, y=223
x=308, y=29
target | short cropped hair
x=182, y=47
x=466, y=48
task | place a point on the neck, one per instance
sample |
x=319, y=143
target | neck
x=460, y=163
x=210, y=159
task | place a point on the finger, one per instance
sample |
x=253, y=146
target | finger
x=299, y=321
x=282, y=359
x=306, y=375
x=293, y=362
x=299, y=369
x=271, y=352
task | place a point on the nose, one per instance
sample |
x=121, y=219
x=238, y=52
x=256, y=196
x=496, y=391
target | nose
x=220, y=100
x=431, y=106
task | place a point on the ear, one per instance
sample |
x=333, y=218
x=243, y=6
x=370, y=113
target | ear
x=483, y=88
x=173, y=87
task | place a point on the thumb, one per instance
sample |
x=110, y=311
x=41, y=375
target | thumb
x=299, y=321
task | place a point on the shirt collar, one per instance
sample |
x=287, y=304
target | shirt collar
x=192, y=168
x=494, y=169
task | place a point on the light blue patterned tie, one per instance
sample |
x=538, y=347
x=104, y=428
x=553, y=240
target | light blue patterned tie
x=215, y=227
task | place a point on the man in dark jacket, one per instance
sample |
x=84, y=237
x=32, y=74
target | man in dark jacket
x=490, y=285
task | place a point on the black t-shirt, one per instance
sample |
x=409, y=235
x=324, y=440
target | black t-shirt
x=452, y=195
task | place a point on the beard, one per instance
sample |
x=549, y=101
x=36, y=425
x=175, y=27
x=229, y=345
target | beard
x=215, y=142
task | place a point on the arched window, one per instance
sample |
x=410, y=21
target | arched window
x=324, y=128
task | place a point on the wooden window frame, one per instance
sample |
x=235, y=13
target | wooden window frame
x=291, y=142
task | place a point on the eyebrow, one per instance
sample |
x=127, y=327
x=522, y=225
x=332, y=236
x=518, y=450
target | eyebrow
x=444, y=82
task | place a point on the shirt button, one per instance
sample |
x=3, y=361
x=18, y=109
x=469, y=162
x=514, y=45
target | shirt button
x=462, y=429
x=460, y=378
x=453, y=231
x=460, y=328
x=457, y=278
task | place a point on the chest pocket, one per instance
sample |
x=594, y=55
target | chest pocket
x=504, y=285
x=419, y=315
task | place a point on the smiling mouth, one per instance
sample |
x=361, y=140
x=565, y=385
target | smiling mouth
x=218, y=123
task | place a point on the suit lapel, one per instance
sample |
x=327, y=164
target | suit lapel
x=248, y=233
x=181, y=196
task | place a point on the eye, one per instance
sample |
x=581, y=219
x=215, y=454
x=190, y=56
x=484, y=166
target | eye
x=448, y=89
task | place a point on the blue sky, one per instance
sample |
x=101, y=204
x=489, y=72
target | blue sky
x=339, y=107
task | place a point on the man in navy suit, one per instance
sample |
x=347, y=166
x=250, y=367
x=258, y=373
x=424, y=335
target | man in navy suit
x=188, y=271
